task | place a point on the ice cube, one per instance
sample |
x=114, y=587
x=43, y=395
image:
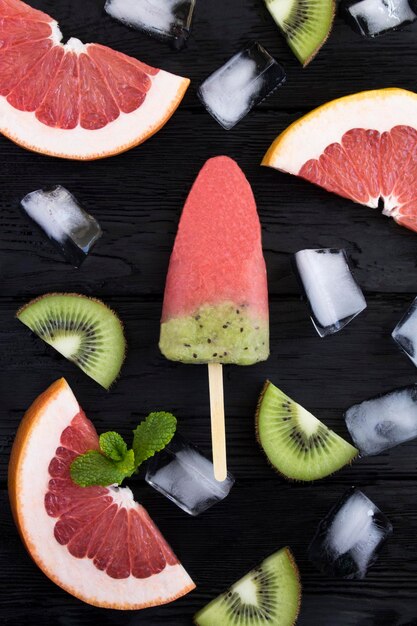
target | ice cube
x=383, y=422
x=374, y=17
x=184, y=475
x=240, y=84
x=64, y=221
x=349, y=538
x=405, y=332
x=333, y=295
x=164, y=19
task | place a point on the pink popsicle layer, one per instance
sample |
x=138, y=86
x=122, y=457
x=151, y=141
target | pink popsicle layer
x=217, y=254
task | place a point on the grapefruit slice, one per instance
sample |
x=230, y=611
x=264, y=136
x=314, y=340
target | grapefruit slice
x=362, y=147
x=97, y=543
x=76, y=101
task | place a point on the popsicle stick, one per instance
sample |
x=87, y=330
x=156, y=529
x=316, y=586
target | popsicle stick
x=218, y=435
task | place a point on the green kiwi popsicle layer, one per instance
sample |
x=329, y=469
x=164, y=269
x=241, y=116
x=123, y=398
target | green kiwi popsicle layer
x=222, y=333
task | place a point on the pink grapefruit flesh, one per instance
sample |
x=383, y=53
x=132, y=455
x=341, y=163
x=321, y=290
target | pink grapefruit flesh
x=77, y=101
x=216, y=298
x=362, y=147
x=97, y=543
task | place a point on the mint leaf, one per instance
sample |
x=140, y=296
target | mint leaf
x=152, y=435
x=127, y=465
x=93, y=468
x=113, y=446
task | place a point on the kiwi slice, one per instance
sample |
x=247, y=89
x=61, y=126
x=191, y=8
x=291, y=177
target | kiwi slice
x=83, y=329
x=306, y=24
x=296, y=443
x=270, y=594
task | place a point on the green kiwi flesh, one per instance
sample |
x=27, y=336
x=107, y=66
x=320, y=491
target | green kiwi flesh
x=82, y=329
x=270, y=594
x=296, y=443
x=306, y=24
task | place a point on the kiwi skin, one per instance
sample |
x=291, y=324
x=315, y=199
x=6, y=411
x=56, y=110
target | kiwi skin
x=258, y=438
x=297, y=573
x=293, y=565
x=95, y=300
x=319, y=47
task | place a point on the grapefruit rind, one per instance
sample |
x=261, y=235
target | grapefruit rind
x=309, y=136
x=37, y=438
x=126, y=131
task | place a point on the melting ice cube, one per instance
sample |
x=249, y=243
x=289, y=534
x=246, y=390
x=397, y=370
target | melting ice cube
x=333, y=295
x=64, y=221
x=240, y=84
x=349, y=537
x=405, y=332
x=164, y=19
x=384, y=422
x=374, y=17
x=181, y=473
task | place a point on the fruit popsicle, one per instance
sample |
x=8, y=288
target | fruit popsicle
x=216, y=299
x=215, y=307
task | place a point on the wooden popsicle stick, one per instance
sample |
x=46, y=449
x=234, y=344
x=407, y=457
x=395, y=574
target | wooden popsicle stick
x=218, y=434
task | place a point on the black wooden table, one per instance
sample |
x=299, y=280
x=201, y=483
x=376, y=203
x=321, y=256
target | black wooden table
x=137, y=198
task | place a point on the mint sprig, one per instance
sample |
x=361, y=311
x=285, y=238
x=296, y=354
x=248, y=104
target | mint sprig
x=114, y=461
x=94, y=468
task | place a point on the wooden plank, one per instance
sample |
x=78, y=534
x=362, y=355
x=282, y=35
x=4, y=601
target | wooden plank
x=216, y=559
x=137, y=198
x=140, y=217
x=325, y=375
x=347, y=62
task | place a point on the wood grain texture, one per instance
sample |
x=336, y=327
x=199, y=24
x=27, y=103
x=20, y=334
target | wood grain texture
x=137, y=197
x=217, y=420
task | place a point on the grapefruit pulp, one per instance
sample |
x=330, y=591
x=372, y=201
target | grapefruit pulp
x=362, y=147
x=76, y=101
x=97, y=543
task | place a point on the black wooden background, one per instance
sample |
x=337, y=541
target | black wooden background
x=137, y=198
